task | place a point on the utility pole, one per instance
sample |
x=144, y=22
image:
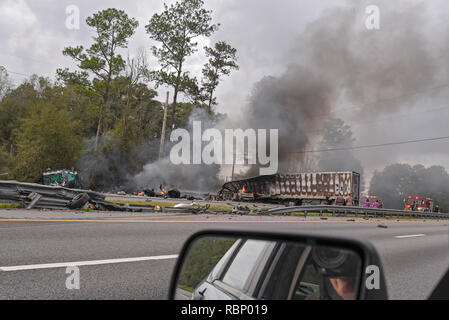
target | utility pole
x=233, y=167
x=164, y=124
x=234, y=150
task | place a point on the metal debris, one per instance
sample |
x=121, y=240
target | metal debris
x=194, y=207
x=241, y=210
x=34, y=197
x=37, y=196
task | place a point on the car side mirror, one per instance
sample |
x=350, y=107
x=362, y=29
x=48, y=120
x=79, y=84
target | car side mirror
x=238, y=265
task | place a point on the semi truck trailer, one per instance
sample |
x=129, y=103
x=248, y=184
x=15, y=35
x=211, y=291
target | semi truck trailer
x=313, y=188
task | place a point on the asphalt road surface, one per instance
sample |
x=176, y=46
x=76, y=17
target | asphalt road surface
x=131, y=255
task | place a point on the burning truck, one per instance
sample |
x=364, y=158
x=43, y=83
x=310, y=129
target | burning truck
x=296, y=188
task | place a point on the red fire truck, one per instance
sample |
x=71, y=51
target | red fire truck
x=419, y=204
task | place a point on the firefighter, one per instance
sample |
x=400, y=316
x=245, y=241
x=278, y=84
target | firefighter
x=340, y=201
x=367, y=203
x=349, y=201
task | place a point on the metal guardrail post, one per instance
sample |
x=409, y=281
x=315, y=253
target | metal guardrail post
x=35, y=197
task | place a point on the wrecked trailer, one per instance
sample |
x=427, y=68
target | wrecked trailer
x=317, y=188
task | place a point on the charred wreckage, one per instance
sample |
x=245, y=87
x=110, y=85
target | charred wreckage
x=296, y=189
x=319, y=188
x=32, y=195
x=38, y=196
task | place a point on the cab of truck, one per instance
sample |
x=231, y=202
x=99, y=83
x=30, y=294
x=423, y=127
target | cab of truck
x=61, y=178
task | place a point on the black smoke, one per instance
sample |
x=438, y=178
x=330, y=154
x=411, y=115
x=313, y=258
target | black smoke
x=337, y=68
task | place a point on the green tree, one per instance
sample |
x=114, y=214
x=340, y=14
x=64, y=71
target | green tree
x=5, y=163
x=47, y=138
x=81, y=103
x=5, y=82
x=222, y=60
x=135, y=122
x=113, y=30
x=176, y=29
x=398, y=181
x=14, y=106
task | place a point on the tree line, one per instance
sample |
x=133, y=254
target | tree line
x=394, y=183
x=103, y=118
x=398, y=181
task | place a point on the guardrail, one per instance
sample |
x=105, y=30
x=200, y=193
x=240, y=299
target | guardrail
x=51, y=197
x=346, y=210
x=31, y=195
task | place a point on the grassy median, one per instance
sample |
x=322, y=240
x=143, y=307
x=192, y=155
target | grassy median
x=10, y=206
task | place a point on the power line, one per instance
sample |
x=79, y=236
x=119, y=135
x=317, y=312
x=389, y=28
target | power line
x=374, y=145
x=18, y=73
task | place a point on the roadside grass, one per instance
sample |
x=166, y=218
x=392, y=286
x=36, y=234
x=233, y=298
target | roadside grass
x=354, y=215
x=145, y=203
x=10, y=206
x=186, y=288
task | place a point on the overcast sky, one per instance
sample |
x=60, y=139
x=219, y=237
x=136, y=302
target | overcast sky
x=33, y=34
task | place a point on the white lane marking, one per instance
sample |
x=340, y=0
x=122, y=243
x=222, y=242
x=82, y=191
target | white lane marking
x=84, y=263
x=410, y=236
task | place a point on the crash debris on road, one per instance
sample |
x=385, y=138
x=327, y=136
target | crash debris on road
x=37, y=196
x=195, y=207
x=30, y=195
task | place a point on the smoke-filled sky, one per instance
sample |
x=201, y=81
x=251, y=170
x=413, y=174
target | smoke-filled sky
x=390, y=84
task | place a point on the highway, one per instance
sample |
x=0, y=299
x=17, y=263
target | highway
x=131, y=255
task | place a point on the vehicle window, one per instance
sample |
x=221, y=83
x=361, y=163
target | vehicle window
x=308, y=288
x=329, y=274
x=214, y=273
x=244, y=263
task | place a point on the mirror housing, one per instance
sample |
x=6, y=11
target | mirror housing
x=369, y=287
